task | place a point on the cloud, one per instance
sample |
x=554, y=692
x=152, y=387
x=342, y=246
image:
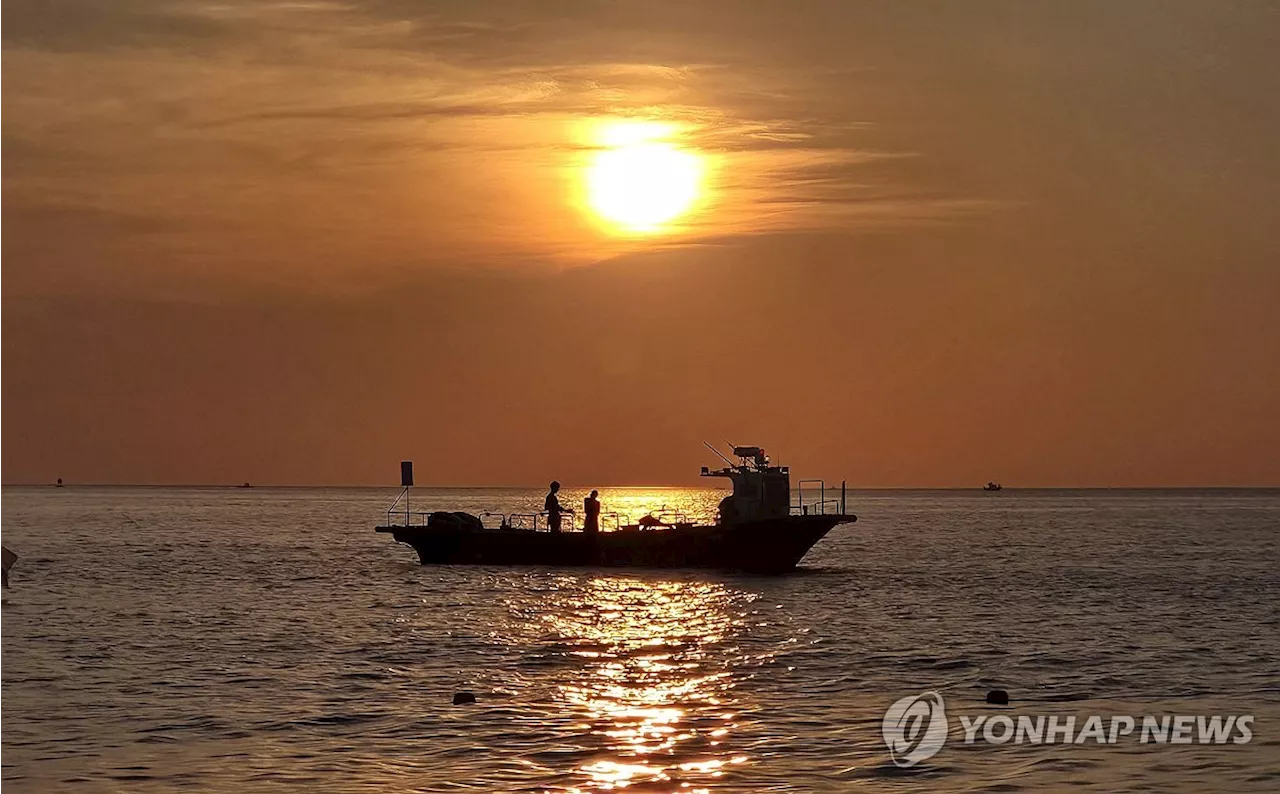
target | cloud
x=89, y=26
x=404, y=134
x=252, y=122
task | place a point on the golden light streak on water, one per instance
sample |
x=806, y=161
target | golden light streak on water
x=650, y=668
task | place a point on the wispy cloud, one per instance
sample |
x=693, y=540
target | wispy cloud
x=389, y=132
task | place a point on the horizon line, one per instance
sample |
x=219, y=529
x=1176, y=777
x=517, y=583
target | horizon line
x=252, y=486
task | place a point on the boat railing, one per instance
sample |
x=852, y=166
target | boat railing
x=522, y=521
x=566, y=522
x=821, y=506
x=396, y=511
x=670, y=516
x=402, y=518
x=660, y=518
x=492, y=519
x=539, y=522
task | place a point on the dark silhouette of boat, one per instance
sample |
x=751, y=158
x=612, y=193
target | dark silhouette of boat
x=992, y=486
x=7, y=559
x=758, y=530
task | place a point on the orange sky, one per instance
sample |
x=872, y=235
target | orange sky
x=938, y=243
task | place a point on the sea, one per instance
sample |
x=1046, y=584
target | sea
x=267, y=639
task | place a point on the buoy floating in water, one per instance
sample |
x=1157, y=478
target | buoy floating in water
x=998, y=697
x=459, y=698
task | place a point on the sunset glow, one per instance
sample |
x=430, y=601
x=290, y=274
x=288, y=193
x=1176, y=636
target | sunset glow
x=1018, y=243
x=678, y=397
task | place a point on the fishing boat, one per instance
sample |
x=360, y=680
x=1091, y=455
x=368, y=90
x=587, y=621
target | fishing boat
x=992, y=486
x=758, y=528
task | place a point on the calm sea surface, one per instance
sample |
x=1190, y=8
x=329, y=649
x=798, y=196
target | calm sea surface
x=230, y=640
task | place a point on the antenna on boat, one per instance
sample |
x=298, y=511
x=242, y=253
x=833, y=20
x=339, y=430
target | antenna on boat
x=722, y=457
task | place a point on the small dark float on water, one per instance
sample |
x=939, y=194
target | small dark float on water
x=758, y=529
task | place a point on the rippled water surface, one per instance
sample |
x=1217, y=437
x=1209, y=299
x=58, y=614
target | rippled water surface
x=254, y=640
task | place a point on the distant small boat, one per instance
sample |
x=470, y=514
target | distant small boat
x=992, y=486
x=58, y=484
x=246, y=485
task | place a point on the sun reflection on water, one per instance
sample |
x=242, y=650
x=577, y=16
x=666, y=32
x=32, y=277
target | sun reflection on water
x=631, y=503
x=651, y=690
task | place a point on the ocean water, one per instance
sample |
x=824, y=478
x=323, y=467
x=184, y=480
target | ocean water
x=226, y=640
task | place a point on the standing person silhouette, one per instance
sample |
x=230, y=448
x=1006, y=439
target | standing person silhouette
x=554, y=511
x=591, y=510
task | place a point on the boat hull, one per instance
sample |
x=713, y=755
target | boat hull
x=766, y=546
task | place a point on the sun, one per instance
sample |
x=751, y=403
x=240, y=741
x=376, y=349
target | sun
x=638, y=181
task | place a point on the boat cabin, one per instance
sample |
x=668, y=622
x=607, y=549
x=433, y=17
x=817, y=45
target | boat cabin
x=760, y=491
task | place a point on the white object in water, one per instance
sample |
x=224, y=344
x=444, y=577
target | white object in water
x=7, y=560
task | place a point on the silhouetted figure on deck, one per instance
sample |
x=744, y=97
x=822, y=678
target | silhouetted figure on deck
x=554, y=511
x=591, y=509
